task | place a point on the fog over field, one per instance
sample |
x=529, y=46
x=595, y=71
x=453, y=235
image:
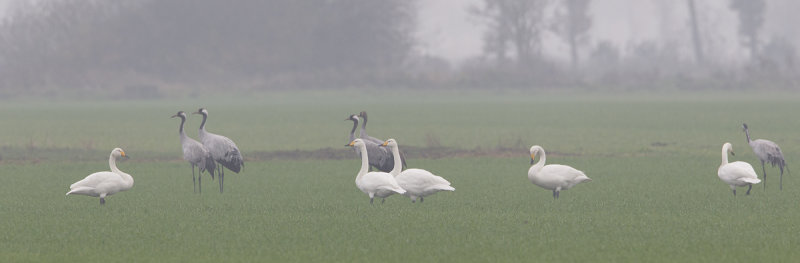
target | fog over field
x=148, y=49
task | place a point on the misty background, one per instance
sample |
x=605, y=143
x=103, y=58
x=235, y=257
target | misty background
x=152, y=49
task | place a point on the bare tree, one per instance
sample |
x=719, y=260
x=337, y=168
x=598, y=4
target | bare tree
x=751, y=18
x=697, y=43
x=573, y=25
x=518, y=23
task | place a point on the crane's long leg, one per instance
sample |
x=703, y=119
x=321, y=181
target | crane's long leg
x=765, y=174
x=221, y=178
x=734, y=191
x=194, y=183
x=748, y=189
x=421, y=199
x=554, y=194
x=384, y=200
x=781, y=187
x=199, y=180
x=102, y=200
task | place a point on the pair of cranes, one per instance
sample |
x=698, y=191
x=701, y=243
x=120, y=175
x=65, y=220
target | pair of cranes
x=213, y=149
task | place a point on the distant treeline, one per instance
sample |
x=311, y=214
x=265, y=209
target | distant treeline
x=150, y=48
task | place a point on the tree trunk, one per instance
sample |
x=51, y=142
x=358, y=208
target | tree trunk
x=698, y=44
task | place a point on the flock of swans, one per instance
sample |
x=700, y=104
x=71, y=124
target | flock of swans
x=213, y=153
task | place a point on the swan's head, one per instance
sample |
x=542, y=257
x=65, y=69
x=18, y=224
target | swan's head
x=536, y=149
x=353, y=117
x=179, y=114
x=201, y=111
x=118, y=152
x=390, y=143
x=728, y=147
x=356, y=143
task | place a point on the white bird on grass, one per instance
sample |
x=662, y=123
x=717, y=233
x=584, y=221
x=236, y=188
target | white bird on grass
x=374, y=184
x=553, y=177
x=417, y=182
x=102, y=184
x=736, y=173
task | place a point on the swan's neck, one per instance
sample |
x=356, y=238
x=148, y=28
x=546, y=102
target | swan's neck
x=725, y=155
x=112, y=162
x=538, y=165
x=364, y=162
x=353, y=131
x=398, y=164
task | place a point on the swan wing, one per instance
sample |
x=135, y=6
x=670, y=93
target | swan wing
x=735, y=171
x=95, y=179
x=381, y=181
x=419, y=181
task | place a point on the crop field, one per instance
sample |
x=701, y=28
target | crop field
x=655, y=195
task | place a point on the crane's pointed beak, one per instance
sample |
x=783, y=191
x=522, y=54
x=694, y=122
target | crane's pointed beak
x=173, y=116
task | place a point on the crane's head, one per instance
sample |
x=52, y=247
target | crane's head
x=179, y=114
x=356, y=143
x=362, y=114
x=118, y=152
x=201, y=111
x=744, y=126
x=389, y=143
x=353, y=117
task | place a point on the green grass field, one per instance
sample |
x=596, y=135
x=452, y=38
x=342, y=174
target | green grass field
x=653, y=159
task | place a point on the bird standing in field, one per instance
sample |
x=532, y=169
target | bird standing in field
x=222, y=149
x=736, y=173
x=374, y=184
x=767, y=151
x=553, y=177
x=102, y=184
x=380, y=157
x=417, y=182
x=354, y=119
x=195, y=154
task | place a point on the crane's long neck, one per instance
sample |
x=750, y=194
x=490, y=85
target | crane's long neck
x=364, y=162
x=398, y=164
x=353, y=131
x=364, y=127
x=725, y=149
x=180, y=128
x=203, y=124
x=747, y=134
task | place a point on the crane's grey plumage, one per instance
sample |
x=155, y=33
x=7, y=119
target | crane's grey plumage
x=196, y=154
x=379, y=157
x=222, y=149
x=767, y=151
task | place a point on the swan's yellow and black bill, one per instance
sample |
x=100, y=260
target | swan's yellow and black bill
x=385, y=143
x=533, y=156
x=351, y=143
x=122, y=153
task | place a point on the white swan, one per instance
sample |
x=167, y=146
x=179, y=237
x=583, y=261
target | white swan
x=374, y=184
x=102, y=184
x=554, y=177
x=417, y=182
x=736, y=173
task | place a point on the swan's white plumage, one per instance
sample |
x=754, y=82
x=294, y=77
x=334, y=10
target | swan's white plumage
x=736, y=173
x=416, y=182
x=374, y=184
x=102, y=184
x=555, y=177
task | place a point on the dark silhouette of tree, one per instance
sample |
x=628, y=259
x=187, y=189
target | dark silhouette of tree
x=751, y=18
x=574, y=23
x=515, y=23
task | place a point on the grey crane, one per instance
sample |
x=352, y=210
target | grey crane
x=222, y=149
x=195, y=154
x=381, y=156
x=767, y=151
